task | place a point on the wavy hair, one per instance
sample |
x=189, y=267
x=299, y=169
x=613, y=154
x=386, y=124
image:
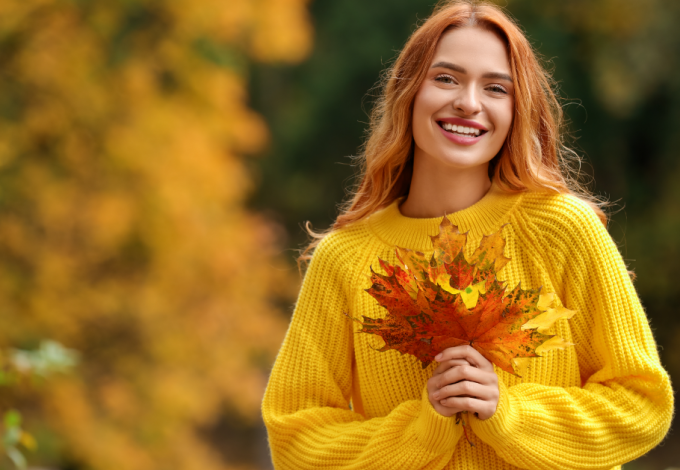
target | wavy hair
x=534, y=156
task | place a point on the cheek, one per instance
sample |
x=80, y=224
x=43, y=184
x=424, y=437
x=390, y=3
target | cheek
x=421, y=116
x=503, y=115
x=428, y=101
x=426, y=104
x=509, y=114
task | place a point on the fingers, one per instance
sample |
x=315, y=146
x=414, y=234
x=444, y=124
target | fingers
x=446, y=410
x=462, y=380
x=446, y=365
x=484, y=409
x=464, y=389
x=464, y=372
x=466, y=352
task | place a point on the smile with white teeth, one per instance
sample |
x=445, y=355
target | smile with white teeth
x=460, y=130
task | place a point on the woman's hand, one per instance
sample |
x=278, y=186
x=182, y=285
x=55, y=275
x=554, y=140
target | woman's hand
x=463, y=381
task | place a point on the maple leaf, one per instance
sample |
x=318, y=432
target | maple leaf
x=449, y=300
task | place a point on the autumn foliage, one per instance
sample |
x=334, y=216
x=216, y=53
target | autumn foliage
x=123, y=233
x=448, y=300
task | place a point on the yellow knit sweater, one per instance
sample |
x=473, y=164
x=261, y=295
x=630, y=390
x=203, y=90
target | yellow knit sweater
x=333, y=401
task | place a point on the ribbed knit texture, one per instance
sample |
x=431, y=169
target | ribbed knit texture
x=333, y=401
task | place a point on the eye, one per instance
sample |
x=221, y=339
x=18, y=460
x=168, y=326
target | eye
x=444, y=78
x=498, y=89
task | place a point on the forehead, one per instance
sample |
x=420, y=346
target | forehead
x=473, y=48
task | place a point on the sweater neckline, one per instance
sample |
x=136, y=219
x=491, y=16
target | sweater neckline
x=482, y=218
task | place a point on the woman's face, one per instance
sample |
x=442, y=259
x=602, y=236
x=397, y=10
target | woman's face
x=464, y=107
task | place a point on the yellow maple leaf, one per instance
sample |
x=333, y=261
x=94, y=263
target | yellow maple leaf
x=545, y=320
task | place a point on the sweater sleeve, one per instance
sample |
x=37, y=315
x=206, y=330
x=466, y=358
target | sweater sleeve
x=625, y=404
x=306, y=405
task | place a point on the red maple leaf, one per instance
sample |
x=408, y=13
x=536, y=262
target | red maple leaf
x=450, y=300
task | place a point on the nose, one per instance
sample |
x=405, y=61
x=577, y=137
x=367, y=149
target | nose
x=467, y=101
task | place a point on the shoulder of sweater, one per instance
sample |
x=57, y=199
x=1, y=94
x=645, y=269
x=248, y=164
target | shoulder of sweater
x=563, y=212
x=342, y=245
x=562, y=223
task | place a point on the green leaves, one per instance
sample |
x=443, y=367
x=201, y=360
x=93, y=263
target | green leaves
x=14, y=436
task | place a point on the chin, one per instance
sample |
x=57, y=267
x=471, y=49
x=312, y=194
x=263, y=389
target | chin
x=457, y=162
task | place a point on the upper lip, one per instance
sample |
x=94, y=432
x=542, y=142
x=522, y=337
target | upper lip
x=463, y=122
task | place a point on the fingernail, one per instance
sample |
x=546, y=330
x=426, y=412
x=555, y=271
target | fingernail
x=438, y=357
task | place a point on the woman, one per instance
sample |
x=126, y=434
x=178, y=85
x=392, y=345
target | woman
x=468, y=126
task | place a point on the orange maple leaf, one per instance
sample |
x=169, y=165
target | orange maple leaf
x=450, y=300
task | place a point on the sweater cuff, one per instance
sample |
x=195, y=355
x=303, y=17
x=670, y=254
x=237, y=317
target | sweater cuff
x=505, y=423
x=436, y=433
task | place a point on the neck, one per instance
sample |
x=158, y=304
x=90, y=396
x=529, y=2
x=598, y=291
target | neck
x=437, y=190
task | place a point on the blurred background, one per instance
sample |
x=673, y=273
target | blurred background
x=157, y=160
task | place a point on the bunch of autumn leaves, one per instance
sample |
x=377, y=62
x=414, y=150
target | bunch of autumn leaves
x=449, y=300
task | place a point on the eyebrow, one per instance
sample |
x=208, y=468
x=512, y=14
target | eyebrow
x=458, y=68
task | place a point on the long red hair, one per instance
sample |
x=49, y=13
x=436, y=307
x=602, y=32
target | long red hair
x=534, y=156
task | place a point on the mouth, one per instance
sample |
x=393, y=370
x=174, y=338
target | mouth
x=463, y=131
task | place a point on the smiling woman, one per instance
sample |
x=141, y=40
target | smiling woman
x=466, y=99
x=467, y=126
